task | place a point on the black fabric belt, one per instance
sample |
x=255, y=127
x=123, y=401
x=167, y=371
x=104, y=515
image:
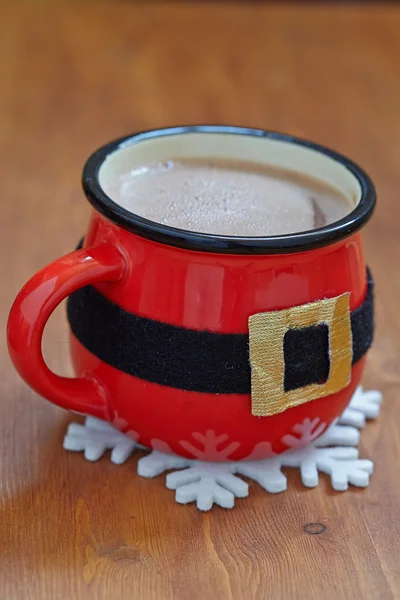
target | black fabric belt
x=202, y=361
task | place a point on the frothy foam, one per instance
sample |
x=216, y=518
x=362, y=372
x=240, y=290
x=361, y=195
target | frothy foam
x=227, y=198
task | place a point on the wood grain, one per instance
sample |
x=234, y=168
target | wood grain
x=77, y=75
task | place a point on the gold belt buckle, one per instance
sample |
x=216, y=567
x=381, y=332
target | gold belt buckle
x=266, y=336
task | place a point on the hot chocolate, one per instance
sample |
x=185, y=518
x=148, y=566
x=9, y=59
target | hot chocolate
x=227, y=197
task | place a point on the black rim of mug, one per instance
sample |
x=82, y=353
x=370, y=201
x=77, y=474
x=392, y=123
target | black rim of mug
x=205, y=242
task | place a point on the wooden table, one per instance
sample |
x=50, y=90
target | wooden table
x=77, y=75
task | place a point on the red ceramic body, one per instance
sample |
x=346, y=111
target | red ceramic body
x=216, y=292
x=190, y=289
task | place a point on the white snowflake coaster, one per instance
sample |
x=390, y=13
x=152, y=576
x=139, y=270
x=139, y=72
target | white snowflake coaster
x=208, y=483
x=95, y=437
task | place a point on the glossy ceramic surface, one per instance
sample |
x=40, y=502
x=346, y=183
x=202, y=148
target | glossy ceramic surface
x=191, y=289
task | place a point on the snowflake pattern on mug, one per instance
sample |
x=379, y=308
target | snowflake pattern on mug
x=208, y=483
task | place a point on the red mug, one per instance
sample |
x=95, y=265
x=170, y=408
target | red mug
x=160, y=317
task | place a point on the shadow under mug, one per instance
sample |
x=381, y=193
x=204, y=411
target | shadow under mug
x=159, y=316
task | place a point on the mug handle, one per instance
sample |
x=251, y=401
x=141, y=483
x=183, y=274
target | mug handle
x=31, y=310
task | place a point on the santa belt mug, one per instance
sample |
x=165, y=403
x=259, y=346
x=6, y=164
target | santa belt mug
x=177, y=335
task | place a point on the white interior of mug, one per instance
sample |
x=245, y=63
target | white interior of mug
x=277, y=153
